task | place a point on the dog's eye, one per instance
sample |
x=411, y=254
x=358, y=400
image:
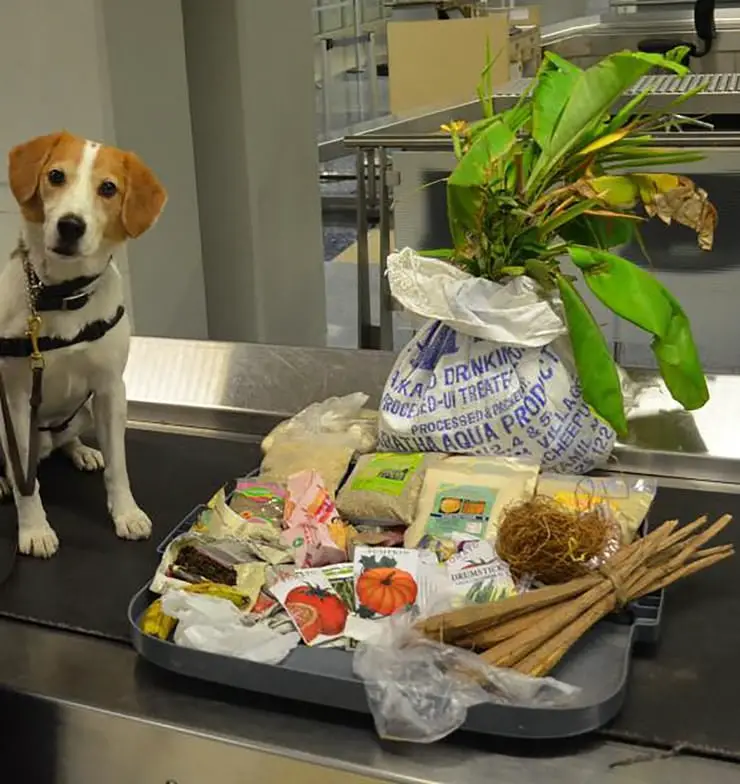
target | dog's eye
x=56, y=177
x=107, y=189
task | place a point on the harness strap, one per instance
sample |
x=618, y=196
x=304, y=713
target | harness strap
x=23, y=347
x=62, y=426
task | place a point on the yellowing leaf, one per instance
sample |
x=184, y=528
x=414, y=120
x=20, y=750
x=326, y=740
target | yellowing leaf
x=604, y=141
x=613, y=190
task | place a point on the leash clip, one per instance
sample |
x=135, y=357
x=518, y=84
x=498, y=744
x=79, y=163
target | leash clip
x=33, y=332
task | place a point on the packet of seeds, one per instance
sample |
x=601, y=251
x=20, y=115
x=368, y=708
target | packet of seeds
x=384, y=487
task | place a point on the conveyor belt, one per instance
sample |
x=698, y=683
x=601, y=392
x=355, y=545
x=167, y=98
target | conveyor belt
x=688, y=692
x=86, y=587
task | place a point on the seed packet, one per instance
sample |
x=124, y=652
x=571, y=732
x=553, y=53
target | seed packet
x=262, y=536
x=313, y=531
x=374, y=536
x=255, y=500
x=384, y=487
x=317, y=611
x=341, y=578
x=463, y=498
x=478, y=575
x=386, y=580
x=265, y=607
x=627, y=499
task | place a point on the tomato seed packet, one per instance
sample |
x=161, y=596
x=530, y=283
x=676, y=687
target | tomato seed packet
x=318, y=612
x=341, y=578
x=386, y=580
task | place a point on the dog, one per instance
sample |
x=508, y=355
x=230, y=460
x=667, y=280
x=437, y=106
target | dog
x=62, y=318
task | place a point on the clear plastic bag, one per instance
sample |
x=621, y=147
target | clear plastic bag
x=341, y=416
x=420, y=691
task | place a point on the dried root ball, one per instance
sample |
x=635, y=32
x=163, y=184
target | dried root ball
x=549, y=541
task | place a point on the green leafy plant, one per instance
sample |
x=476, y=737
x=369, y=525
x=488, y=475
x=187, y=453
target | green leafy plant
x=570, y=172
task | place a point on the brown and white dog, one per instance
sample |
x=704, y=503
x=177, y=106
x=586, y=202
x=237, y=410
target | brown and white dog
x=80, y=201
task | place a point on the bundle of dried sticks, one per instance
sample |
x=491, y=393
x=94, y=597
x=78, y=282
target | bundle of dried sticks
x=532, y=632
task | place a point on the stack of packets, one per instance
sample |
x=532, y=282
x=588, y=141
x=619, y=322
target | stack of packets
x=240, y=549
x=283, y=561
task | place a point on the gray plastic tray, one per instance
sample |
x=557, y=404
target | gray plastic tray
x=599, y=664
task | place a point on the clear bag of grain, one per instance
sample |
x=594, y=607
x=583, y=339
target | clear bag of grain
x=463, y=498
x=329, y=455
x=334, y=416
x=385, y=487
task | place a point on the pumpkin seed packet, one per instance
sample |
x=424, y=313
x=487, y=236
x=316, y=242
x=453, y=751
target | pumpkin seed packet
x=316, y=609
x=386, y=580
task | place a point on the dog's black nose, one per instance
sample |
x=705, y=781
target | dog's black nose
x=71, y=228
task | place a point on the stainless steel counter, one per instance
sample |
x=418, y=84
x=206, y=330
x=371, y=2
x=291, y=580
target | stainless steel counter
x=84, y=711
x=75, y=709
x=237, y=389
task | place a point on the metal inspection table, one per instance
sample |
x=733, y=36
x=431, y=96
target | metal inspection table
x=75, y=708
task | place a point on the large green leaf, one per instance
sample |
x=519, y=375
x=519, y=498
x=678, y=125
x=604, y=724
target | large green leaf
x=626, y=289
x=591, y=96
x=679, y=362
x=464, y=213
x=477, y=166
x=600, y=383
x=636, y=296
x=550, y=96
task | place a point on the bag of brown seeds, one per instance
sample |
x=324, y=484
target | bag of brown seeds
x=384, y=487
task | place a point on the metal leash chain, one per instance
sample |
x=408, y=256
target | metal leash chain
x=25, y=481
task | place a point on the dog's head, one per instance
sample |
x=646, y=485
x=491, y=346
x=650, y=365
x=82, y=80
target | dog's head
x=83, y=198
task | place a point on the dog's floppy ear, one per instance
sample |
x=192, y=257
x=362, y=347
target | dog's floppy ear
x=143, y=199
x=25, y=162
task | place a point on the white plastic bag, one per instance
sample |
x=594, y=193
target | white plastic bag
x=490, y=373
x=420, y=691
x=344, y=417
x=215, y=625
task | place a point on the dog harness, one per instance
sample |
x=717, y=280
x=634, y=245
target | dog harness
x=69, y=295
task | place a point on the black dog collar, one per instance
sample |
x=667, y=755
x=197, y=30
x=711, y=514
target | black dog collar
x=68, y=295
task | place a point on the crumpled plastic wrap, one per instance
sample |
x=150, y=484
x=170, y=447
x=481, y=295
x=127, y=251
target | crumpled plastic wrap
x=336, y=415
x=215, y=625
x=420, y=691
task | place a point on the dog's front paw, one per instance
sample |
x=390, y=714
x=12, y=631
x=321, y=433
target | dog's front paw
x=85, y=458
x=39, y=541
x=132, y=523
